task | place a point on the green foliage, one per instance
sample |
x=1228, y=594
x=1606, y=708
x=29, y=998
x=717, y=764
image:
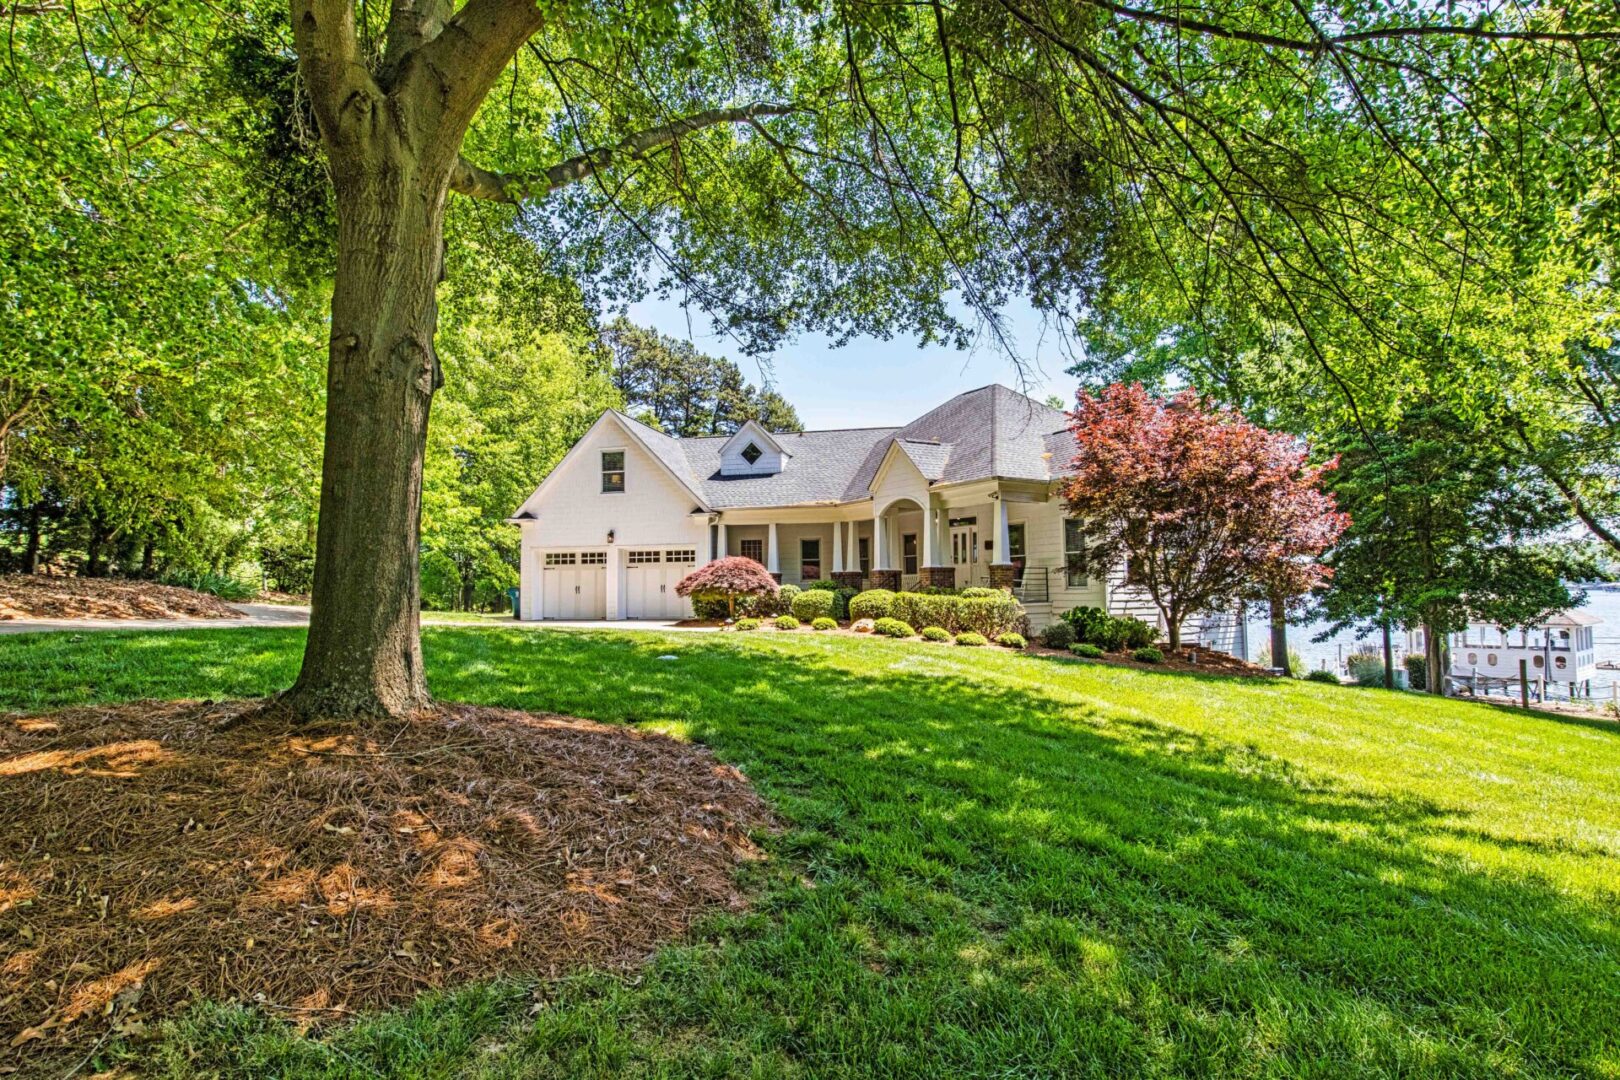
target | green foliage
x=221, y=585
x=824, y=623
x=842, y=595
x=980, y=592
x=1058, y=635
x=969, y=638
x=786, y=622
x=997, y=612
x=1087, y=650
x=1147, y=655
x=934, y=633
x=1366, y=668
x=747, y=624
x=668, y=384
x=1262, y=658
x=1417, y=672
x=1012, y=641
x=1111, y=632
x=872, y=604
x=289, y=565
x=926, y=609
x=1329, y=678
x=814, y=604
x=785, y=596
x=893, y=628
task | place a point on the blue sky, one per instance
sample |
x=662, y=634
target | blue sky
x=869, y=382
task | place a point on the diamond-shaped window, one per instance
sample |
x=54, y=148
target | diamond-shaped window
x=752, y=453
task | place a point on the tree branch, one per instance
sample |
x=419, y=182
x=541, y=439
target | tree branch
x=1327, y=43
x=480, y=183
x=328, y=58
x=466, y=57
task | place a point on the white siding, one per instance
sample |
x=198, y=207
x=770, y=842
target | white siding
x=732, y=463
x=900, y=480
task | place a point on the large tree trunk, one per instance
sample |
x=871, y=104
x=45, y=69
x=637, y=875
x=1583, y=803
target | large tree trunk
x=1389, y=659
x=364, y=654
x=92, y=555
x=1434, y=658
x=1279, y=636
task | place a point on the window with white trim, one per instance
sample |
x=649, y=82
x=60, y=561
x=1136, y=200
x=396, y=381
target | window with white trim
x=593, y=558
x=1074, y=553
x=612, y=472
x=752, y=454
x=560, y=558
x=810, y=558
x=642, y=558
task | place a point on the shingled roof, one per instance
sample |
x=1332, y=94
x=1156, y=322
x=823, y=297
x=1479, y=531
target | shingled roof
x=990, y=432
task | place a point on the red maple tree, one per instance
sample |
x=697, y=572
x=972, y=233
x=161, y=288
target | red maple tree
x=727, y=579
x=1204, y=507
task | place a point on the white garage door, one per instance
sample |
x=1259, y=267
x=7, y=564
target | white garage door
x=650, y=577
x=574, y=585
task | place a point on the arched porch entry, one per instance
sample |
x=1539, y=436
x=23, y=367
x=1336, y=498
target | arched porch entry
x=907, y=545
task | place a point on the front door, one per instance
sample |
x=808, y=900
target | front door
x=965, y=549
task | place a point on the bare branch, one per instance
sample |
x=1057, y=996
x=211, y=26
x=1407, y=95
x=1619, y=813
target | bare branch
x=480, y=183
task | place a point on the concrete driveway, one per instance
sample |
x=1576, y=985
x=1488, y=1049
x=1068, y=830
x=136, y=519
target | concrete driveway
x=298, y=615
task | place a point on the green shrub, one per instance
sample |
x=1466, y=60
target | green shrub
x=824, y=623
x=786, y=622
x=221, y=585
x=872, y=604
x=1147, y=654
x=991, y=616
x=1111, y=632
x=893, y=628
x=288, y=565
x=935, y=633
x=972, y=639
x=925, y=609
x=1087, y=650
x=813, y=604
x=783, y=602
x=841, y=596
x=1012, y=641
x=1328, y=677
x=1138, y=634
x=748, y=624
x=1417, y=672
x=980, y=592
x=1059, y=635
x=1366, y=668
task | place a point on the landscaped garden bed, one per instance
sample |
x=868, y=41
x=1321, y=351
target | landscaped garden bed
x=40, y=596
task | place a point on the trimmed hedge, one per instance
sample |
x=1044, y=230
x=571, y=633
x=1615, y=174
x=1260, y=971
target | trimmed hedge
x=786, y=622
x=1147, y=654
x=872, y=604
x=1012, y=641
x=748, y=624
x=813, y=604
x=980, y=592
x=1325, y=677
x=991, y=615
x=824, y=623
x=842, y=594
x=1087, y=650
x=934, y=633
x=893, y=628
x=971, y=639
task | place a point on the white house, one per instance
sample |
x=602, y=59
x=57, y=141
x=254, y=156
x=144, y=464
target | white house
x=1560, y=650
x=966, y=494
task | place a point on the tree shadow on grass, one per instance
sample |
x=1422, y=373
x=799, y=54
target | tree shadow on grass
x=1029, y=885
x=986, y=877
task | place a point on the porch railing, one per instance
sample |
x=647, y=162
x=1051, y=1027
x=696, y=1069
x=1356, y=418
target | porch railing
x=1033, y=586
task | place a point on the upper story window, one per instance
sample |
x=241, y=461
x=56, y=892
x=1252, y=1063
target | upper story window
x=612, y=471
x=752, y=453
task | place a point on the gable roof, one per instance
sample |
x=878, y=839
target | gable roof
x=664, y=449
x=820, y=468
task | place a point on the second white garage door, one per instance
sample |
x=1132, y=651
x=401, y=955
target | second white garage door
x=574, y=585
x=650, y=577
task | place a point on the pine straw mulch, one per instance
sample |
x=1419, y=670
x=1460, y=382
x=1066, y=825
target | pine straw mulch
x=157, y=852
x=36, y=596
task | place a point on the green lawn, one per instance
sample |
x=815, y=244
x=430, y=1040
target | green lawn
x=999, y=865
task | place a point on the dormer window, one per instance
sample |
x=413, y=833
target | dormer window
x=752, y=453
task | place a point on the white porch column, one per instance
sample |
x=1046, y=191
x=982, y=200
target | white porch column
x=720, y=541
x=773, y=562
x=880, y=550
x=928, y=537
x=838, y=547
x=1003, y=534
x=615, y=595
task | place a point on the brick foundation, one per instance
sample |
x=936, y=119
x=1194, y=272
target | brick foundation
x=1003, y=575
x=777, y=577
x=886, y=579
x=939, y=577
x=849, y=579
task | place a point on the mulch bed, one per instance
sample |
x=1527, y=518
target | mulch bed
x=36, y=596
x=158, y=852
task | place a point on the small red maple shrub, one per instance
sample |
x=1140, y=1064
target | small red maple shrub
x=727, y=579
x=1205, y=507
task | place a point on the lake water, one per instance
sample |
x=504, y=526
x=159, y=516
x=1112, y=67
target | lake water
x=1330, y=654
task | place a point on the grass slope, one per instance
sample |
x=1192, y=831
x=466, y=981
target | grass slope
x=999, y=865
